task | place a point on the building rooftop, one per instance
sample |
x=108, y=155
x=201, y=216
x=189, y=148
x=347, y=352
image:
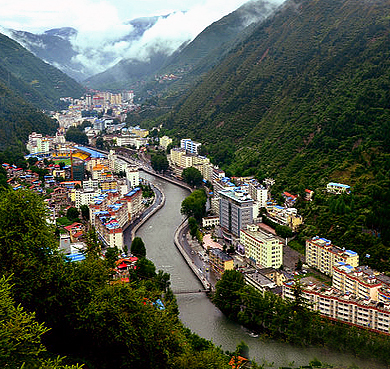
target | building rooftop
x=237, y=195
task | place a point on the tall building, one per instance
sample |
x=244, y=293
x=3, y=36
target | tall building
x=258, y=192
x=190, y=146
x=322, y=255
x=235, y=210
x=262, y=248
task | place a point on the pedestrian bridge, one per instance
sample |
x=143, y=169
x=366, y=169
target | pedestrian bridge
x=187, y=292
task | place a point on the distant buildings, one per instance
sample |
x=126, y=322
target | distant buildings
x=165, y=141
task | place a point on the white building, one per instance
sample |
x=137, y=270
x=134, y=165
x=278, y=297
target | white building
x=85, y=197
x=38, y=144
x=190, y=146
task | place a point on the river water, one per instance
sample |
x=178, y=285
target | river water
x=196, y=310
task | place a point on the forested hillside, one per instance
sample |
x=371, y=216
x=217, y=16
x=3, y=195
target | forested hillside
x=306, y=100
x=18, y=119
x=32, y=79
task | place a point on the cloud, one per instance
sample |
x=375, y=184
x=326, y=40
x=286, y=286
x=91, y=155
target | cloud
x=103, y=29
x=103, y=46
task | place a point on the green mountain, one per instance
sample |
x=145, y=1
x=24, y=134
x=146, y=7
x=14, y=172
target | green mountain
x=18, y=119
x=305, y=99
x=27, y=86
x=32, y=79
x=309, y=86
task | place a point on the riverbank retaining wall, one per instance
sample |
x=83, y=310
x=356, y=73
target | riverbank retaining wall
x=187, y=258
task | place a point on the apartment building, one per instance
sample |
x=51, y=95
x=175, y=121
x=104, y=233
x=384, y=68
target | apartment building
x=258, y=280
x=190, y=146
x=165, y=141
x=38, y=144
x=220, y=261
x=261, y=248
x=109, y=230
x=322, y=255
x=132, y=176
x=284, y=216
x=258, y=192
x=345, y=307
x=360, y=281
x=210, y=221
x=134, y=202
x=84, y=197
x=235, y=211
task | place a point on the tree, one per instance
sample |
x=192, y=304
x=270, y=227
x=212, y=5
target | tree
x=27, y=245
x=283, y=231
x=72, y=214
x=159, y=162
x=20, y=333
x=76, y=135
x=145, y=268
x=194, y=205
x=137, y=247
x=85, y=212
x=192, y=176
x=111, y=256
x=32, y=160
x=227, y=292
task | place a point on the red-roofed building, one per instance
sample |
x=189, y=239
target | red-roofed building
x=309, y=195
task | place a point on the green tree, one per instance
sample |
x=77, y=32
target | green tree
x=72, y=214
x=159, y=162
x=145, y=269
x=192, y=176
x=195, y=205
x=75, y=135
x=28, y=249
x=227, y=293
x=20, y=333
x=283, y=231
x=137, y=247
x=85, y=212
x=111, y=256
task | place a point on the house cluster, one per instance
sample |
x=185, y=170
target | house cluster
x=358, y=296
x=113, y=201
x=111, y=212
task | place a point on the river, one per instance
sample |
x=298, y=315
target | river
x=196, y=310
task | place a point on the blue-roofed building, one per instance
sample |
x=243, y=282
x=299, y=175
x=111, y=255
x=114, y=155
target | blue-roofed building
x=337, y=188
x=91, y=152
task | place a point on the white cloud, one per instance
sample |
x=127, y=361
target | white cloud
x=101, y=24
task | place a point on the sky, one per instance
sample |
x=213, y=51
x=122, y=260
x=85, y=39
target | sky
x=39, y=15
x=102, y=24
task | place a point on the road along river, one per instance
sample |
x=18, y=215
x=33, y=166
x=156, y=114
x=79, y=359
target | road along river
x=196, y=310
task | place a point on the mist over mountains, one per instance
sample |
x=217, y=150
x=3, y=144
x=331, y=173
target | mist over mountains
x=142, y=44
